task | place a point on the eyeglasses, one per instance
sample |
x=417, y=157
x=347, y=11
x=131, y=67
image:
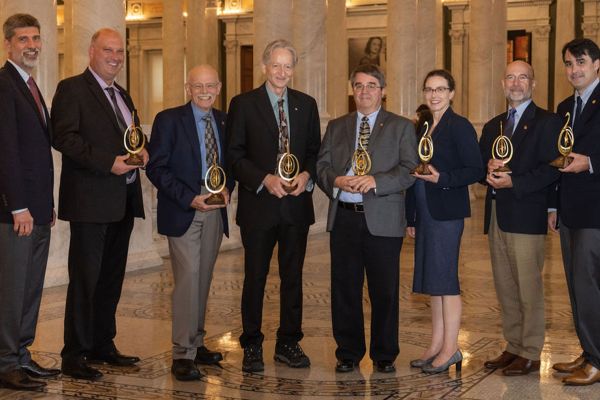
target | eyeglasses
x=437, y=90
x=520, y=78
x=367, y=86
x=208, y=86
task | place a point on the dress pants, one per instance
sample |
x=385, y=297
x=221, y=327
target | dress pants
x=258, y=250
x=581, y=258
x=354, y=252
x=23, y=262
x=97, y=261
x=517, y=263
x=193, y=258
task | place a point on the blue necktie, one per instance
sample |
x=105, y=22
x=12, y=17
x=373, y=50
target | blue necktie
x=578, y=109
x=509, y=126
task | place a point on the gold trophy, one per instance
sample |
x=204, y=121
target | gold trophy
x=425, y=150
x=288, y=167
x=566, y=140
x=134, y=141
x=361, y=160
x=214, y=181
x=502, y=149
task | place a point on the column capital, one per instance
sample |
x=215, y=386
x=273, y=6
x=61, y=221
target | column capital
x=134, y=50
x=230, y=45
x=590, y=29
x=542, y=31
x=457, y=35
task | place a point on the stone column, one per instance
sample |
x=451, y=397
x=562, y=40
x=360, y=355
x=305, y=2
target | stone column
x=591, y=20
x=82, y=19
x=173, y=54
x=202, y=44
x=459, y=55
x=231, y=62
x=487, y=60
x=541, y=38
x=565, y=32
x=337, y=58
x=272, y=20
x=411, y=40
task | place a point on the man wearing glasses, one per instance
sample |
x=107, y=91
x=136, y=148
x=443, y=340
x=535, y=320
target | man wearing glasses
x=516, y=217
x=366, y=219
x=186, y=141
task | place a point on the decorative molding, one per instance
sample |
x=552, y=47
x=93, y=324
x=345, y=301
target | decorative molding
x=230, y=45
x=542, y=32
x=457, y=35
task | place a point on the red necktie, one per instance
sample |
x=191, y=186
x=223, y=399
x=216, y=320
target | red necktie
x=36, y=96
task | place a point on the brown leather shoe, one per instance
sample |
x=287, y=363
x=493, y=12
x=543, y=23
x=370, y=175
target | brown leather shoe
x=570, y=367
x=583, y=376
x=503, y=360
x=18, y=379
x=521, y=366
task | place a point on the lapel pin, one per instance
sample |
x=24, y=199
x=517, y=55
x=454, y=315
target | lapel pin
x=381, y=124
x=594, y=101
x=525, y=127
x=295, y=108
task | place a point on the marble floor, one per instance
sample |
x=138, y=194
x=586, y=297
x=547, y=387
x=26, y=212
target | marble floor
x=144, y=329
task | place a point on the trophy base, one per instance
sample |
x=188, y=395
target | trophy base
x=289, y=189
x=215, y=199
x=134, y=159
x=503, y=169
x=562, y=161
x=421, y=169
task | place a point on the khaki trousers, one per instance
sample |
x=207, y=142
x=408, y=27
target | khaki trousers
x=517, y=263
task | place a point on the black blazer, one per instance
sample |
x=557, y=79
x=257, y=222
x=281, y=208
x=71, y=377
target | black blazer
x=524, y=208
x=26, y=169
x=456, y=156
x=579, y=194
x=253, y=137
x=87, y=134
x=175, y=167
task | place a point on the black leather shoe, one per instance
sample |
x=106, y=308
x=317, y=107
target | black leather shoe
x=18, y=379
x=345, y=366
x=384, y=366
x=206, y=357
x=185, y=370
x=292, y=355
x=113, y=357
x=79, y=369
x=253, y=359
x=35, y=370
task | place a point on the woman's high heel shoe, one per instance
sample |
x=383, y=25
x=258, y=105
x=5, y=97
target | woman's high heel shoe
x=455, y=359
x=419, y=363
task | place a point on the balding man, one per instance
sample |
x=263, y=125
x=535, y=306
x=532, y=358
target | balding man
x=100, y=195
x=182, y=148
x=516, y=216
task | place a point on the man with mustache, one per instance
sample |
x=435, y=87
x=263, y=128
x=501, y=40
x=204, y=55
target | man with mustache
x=515, y=217
x=186, y=141
x=100, y=195
x=578, y=211
x=26, y=203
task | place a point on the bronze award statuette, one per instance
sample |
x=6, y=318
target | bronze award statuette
x=288, y=168
x=361, y=161
x=214, y=181
x=134, y=141
x=502, y=149
x=566, y=140
x=425, y=149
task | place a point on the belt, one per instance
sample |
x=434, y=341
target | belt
x=356, y=207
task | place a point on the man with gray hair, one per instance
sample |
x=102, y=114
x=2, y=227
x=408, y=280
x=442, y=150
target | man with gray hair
x=26, y=203
x=263, y=126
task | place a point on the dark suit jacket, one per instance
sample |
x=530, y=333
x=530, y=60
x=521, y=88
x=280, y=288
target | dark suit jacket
x=253, y=137
x=175, y=167
x=579, y=194
x=393, y=151
x=523, y=208
x=87, y=134
x=26, y=169
x=456, y=156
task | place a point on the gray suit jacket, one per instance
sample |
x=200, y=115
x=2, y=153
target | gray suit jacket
x=393, y=151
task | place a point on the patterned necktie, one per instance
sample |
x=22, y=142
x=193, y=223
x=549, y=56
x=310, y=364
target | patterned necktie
x=510, y=122
x=210, y=142
x=36, y=96
x=577, y=111
x=283, y=128
x=363, y=133
x=117, y=110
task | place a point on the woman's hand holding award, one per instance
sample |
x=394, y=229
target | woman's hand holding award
x=425, y=150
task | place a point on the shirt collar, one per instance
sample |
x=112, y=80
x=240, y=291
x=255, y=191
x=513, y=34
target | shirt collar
x=587, y=91
x=371, y=116
x=198, y=112
x=101, y=81
x=20, y=70
x=521, y=108
x=273, y=98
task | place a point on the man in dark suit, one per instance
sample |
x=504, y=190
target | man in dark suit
x=515, y=217
x=578, y=211
x=366, y=220
x=270, y=209
x=26, y=203
x=99, y=195
x=185, y=142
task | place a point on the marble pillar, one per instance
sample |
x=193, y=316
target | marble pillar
x=487, y=60
x=337, y=58
x=202, y=29
x=173, y=54
x=272, y=20
x=411, y=49
x=591, y=20
x=541, y=44
x=459, y=54
x=565, y=32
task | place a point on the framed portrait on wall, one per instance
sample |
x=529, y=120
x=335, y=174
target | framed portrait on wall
x=518, y=46
x=368, y=50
